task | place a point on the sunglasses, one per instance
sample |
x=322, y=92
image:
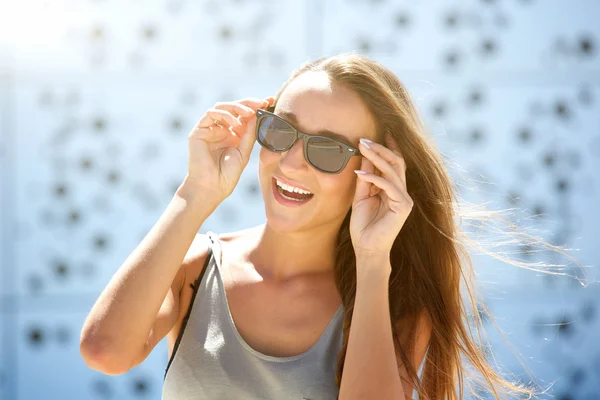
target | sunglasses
x=323, y=153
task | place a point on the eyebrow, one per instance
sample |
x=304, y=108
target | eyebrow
x=323, y=132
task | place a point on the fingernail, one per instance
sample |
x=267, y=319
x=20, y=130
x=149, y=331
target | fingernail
x=358, y=171
x=365, y=142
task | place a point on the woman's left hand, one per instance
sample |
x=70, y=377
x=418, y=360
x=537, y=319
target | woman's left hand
x=381, y=204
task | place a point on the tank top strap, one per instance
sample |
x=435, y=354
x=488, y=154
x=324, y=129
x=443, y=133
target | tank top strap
x=215, y=246
x=195, y=286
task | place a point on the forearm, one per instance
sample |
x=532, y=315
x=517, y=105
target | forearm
x=370, y=368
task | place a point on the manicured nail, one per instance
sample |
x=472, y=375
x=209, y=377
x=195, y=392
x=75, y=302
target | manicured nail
x=358, y=171
x=366, y=142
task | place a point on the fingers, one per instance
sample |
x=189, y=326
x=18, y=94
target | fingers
x=240, y=108
x=246, y=110
x=379, y=158
x=270, y=100
x=237, y=109
x=254, y=103
x=390, y=189
x=228, y=118
x=394, y=193
x=223, y=117
x=389, y=162
x=363, y=188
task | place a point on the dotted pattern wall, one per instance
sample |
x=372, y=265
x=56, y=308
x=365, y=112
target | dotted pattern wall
x=97, y=98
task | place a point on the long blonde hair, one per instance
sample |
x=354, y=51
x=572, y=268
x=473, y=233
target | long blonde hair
x=430, y=257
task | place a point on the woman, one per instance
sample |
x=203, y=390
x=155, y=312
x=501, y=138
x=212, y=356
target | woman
x=352, y=282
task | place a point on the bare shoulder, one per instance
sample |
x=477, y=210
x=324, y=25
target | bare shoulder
x=238, y=242
x=198, y=250
x=241, y=235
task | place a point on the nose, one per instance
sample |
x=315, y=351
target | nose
x=293, y=159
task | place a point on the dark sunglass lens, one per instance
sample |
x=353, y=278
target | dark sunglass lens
x=326, y=154
x=275, y=134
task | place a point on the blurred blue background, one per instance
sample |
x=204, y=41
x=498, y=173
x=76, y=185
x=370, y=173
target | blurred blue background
x=97, y=98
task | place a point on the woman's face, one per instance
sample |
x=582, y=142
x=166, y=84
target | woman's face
x=311, y=104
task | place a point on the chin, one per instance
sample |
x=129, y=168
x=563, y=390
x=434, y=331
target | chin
x=282, y=220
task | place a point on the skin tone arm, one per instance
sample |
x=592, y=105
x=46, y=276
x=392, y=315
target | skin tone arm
x=372, y=370
x=118, y=332
x=140, y=304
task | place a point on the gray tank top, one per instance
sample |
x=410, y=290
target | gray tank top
x=210, y=359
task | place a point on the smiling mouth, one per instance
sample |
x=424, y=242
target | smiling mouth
x=291, y=193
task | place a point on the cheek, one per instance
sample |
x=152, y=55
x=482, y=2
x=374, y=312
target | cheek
x=266, y=157
x=341, y=186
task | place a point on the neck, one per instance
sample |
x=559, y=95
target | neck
x=285, y=255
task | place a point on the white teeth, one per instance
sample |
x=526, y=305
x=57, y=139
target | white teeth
x=291, y=188
x=289, y=198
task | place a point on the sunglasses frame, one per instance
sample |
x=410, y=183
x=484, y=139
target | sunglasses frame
x=349, y=151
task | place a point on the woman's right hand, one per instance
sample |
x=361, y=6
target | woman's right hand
x=220, y=145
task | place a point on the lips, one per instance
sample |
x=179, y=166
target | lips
x=288, y=202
